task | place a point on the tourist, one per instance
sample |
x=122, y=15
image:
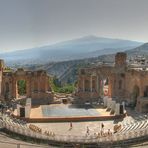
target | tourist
x=102, y=125
x=70, y=126
x=108, y=132
x=87, y=131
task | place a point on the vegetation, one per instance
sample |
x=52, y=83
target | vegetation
x=21, y=87
x=57, y=87
x=7, y=69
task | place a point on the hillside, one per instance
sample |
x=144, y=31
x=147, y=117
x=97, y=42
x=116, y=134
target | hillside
x=67, y=71
x=85, y=47
x=141, y=50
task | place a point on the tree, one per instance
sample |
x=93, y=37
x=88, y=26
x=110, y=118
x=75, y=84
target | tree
x=21, y=87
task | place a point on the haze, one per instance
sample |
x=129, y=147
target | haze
x=32, y=23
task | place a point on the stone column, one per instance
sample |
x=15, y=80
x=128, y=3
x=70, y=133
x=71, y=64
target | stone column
x=1, y=82
x=15, y=89
x=45, y=83
x=109, y=87
x=90, y=83
x=98, y=85
x=91, y=88
x=28, y=87
x=39, y=84
x=101, y=86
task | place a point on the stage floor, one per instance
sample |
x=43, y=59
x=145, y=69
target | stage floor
x=62, y=110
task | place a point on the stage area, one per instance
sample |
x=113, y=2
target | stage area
x=62, y=110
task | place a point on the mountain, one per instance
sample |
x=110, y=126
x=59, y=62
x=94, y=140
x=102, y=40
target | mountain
x=84, y=47
x=141, y=50
x=67, y=71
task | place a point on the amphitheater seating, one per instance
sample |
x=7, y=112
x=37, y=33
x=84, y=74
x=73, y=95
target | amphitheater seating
x=124, y=128
x=140, y=122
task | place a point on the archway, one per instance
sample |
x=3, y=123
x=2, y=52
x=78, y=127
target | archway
x=94, y=86
x=135, y=94
x=87, y=85
x=21, y=88
x=7, y=90
x=120, y=84
x=146, y=91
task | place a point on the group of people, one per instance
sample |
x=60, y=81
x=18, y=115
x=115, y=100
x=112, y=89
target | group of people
x=102, y=133
x=35, y=128
x=39, y=130
x=49, y=133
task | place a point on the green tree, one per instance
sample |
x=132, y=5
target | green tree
x=21, y=87
x=57, y=87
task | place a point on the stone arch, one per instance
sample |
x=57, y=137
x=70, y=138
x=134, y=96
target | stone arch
x=120, y=84
x=7, y=87
x=42, y=95
x=135, y=95
x=93, y=85
x=87, y=85
x=7, y=90
x=16, y=82
x=145, y=93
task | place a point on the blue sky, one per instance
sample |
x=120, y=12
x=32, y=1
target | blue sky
x=32, y=23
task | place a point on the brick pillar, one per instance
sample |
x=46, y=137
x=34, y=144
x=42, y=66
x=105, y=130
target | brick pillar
x=83, y=83
x=28, y=88
x=15, y=88
x=98, y=85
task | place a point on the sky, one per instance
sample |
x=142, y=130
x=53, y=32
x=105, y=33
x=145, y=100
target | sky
x=33, y=23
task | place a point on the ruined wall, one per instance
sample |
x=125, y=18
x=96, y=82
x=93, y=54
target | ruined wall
x=120, y=59
x=37, y=86
x=1, y=73
x=96, y=76
x=125, y=83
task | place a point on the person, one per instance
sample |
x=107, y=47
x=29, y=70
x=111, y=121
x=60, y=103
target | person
x=108, y=132
x=70, y=126
x=102, y=125
x=87, y=131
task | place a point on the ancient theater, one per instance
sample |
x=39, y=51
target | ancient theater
x=121, y=81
